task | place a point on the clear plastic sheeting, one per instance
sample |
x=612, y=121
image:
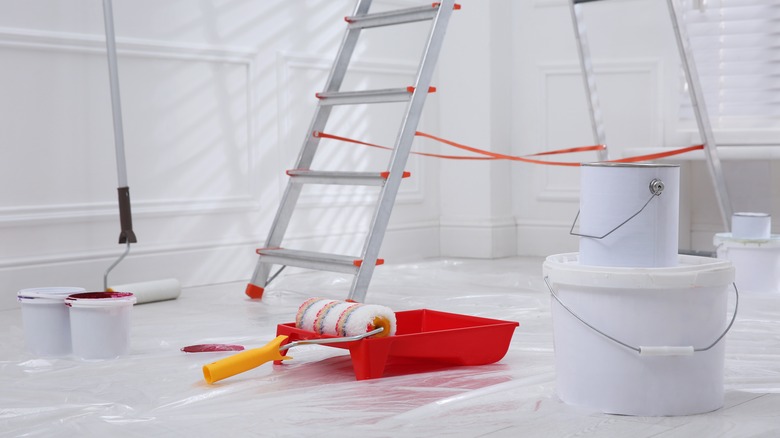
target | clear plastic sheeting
x=159, y=390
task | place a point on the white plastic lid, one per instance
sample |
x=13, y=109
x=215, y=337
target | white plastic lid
x=692, y=271
x=46, y=295
x=728, y=240
x=100, y=299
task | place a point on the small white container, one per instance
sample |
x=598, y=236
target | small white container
x=100, y=324
x=751, y=226
x=45, y=319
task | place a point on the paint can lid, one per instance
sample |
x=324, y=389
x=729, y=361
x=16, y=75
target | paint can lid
x=728, y=240
x=691, y=271
x=46, y=295
x=100, y=299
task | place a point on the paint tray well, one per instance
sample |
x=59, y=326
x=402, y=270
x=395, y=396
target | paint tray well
x=426, y=337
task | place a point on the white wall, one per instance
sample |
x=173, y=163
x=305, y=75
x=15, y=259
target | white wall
x=476, y=109
x=218, y=95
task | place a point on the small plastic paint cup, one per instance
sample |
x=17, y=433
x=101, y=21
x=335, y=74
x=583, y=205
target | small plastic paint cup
x=45, y=319
x=100, y=324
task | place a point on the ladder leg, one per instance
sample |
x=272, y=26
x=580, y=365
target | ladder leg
x=702, y=118
x=696, y=95
x=319, y=120
x=400, y=153
x=306, y=156
x=589, y=78
x=259, y=277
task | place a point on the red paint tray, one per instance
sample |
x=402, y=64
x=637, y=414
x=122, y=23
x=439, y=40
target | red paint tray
x=423, y=335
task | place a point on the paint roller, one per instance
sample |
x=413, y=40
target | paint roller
x=348, y=321
x=151, y=290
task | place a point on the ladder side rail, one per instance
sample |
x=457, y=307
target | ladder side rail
x=588, y=76
x=400, y=153
x=702, y=117
x=310, y=143
x=319, y=120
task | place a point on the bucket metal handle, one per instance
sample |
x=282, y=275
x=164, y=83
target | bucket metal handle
x=656, y=188
x=653, y=350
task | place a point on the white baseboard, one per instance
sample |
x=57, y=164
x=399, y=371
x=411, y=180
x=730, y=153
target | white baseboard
x=545, y=238
x=479, y=239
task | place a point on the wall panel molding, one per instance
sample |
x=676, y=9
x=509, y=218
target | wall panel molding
x=79, y=212
x=27, y=39
x=85, y=43
x=630, y=68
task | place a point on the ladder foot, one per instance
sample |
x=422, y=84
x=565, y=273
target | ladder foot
x=254, y=292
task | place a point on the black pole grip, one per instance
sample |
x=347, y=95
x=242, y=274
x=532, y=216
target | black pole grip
x=125, y=217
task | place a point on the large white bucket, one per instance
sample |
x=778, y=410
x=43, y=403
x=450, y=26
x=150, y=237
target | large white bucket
x=757, y=261
x=664, y=313
x=629, y=215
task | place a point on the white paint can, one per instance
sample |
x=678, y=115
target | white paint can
x=746, y=225
x=45, y=319
x=640, y=341
x=757, y=261
x=629, y=215
x=100, y=324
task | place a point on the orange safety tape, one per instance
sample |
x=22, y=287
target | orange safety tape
x=658, y=155
x=490, y=155
x=512, y=157
x=350, y=140
x=497, y=156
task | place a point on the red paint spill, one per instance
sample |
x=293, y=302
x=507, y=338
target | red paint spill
x=207, y=348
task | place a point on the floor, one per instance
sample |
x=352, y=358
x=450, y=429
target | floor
x=157, y=390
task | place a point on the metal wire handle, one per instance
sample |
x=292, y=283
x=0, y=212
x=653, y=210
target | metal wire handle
x=668, y=351
x=656, y=188
x=331, y=340
x=113, y=265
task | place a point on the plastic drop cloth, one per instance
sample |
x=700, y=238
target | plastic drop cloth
x=157, y=390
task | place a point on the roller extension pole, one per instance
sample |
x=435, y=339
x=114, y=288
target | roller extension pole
x=126, y=235
x=125, y=216
x=150, y=291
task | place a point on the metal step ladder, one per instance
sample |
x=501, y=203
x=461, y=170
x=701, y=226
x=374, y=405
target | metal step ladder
x=363, y=265
x=694, y=88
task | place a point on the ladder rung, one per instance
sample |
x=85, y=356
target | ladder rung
x=390, y=18
x=312, y=260
x=302, y=176
x=368, y=96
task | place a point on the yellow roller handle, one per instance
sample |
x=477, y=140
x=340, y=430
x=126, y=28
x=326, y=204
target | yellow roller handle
x=244, y=361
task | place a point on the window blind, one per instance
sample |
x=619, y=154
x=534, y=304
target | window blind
x=736, y=47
